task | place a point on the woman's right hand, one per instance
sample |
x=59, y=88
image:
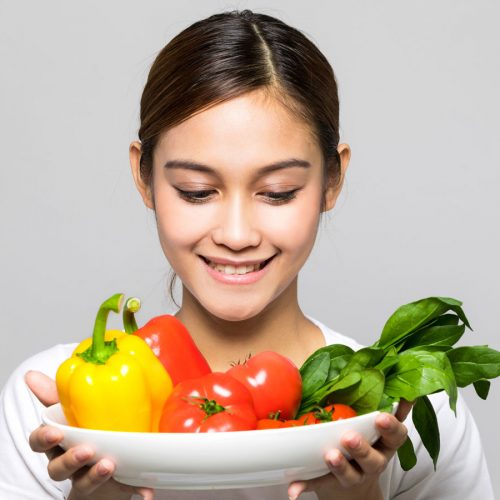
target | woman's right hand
x=89, y=481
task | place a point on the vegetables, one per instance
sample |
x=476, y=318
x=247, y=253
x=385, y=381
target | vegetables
x=171, y=342
x=413, y=358
x=113, y=384
x=274, y=382
x=213, y=403
x=329, y=413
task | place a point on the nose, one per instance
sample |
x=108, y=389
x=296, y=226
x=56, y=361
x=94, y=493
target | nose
x=236, y=225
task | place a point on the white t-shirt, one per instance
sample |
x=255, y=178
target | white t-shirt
x=461, y=469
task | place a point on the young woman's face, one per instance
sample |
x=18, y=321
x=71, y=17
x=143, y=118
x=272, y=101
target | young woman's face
x=237, y=187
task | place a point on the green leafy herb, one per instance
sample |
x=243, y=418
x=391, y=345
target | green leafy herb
x=413, y=358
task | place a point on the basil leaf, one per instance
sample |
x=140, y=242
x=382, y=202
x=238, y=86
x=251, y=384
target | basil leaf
x=365, y=396
x=366, y=357
x=406, y=455
x=473, y=363
x=426, y=424
x=419, y=373
x=323, y=394
x=482, y=388
x=338, y=362
x=436, y=335
x=410, y=317
x=315, y=373
x=386, y=403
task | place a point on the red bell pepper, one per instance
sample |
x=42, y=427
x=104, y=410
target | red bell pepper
x=171, y=342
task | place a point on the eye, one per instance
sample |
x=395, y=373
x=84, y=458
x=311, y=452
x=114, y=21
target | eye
x=200, y=196
x=280, y=197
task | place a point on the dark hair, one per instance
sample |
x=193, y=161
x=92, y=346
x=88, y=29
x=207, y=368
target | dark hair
x=227, y=55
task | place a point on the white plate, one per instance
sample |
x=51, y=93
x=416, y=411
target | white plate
x=215, y=460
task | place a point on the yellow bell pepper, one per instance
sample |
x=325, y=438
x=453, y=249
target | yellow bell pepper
x=113, y=381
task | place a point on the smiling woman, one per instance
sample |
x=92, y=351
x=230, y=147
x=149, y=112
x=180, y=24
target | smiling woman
x=238, y=155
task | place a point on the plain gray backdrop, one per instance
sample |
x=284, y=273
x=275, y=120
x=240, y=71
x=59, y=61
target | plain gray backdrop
x=419, y=214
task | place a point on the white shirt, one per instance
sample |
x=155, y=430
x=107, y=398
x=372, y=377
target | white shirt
x=461, y=469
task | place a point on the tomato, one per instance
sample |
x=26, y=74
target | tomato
x=271, y=423
x=274, y=382
x=328, y=414
x=215, y=402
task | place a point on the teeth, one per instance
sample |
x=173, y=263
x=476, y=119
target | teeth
x=227, y=269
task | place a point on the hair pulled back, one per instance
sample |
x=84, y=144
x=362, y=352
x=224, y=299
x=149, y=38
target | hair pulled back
x=229, y=54
x=232, y=53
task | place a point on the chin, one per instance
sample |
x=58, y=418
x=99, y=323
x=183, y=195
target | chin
x=236, y=312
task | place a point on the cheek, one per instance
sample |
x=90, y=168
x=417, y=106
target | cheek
x=180, y=225
x=293, y=227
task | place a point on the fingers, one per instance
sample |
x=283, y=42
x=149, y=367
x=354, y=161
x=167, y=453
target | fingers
x=68, y=463
x=45, y=438
x=87, y=479
x=42, y=386
x=393, y=434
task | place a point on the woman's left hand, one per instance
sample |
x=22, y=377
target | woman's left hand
x=358, y=478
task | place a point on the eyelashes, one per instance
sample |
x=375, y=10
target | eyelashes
x=203, y=196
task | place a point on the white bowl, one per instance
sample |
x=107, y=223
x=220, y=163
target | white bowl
x=215, y=460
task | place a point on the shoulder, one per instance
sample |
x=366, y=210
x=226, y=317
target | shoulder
x=333, y=337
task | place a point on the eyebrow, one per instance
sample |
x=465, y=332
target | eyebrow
x=200, y=167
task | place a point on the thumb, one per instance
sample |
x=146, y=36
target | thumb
x=42, y=386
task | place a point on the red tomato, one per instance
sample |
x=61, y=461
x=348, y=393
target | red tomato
x=271, y=423
x=274, y=382
x=215, y=402
x=328, y=414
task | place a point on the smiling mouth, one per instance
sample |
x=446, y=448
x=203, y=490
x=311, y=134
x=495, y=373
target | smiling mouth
x=243, y=269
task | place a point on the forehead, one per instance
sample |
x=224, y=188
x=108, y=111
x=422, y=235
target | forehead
x=252, y=129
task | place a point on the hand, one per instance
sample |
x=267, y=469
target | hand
x=89, y=481
x=359, y=478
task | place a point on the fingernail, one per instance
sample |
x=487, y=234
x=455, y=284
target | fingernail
x=292, y=497
x=52, y=436
x=353, y=441
x=384, y=421
x=103, y=468
x=335, y=457
x=82, y=454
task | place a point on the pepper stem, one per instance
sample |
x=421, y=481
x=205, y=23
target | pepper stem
x=132, y=305
x=100, y=350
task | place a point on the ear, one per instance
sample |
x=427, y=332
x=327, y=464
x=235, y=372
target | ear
x=135, y=163
x=335, y=185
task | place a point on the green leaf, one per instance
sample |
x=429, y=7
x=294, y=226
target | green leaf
x=315, y=373
x=322, y=394
x=426, y=424
x=365, y=396
x=482, y=388
x=410, y=317
x=366, y=357
x=406, y=455
x=473, y=363
x=436, y=335
x=419, y=373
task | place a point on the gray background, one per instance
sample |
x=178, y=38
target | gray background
x=419, y=215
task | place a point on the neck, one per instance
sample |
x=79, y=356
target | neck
x=280, y=327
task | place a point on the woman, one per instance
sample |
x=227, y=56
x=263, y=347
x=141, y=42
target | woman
x=239, y=156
